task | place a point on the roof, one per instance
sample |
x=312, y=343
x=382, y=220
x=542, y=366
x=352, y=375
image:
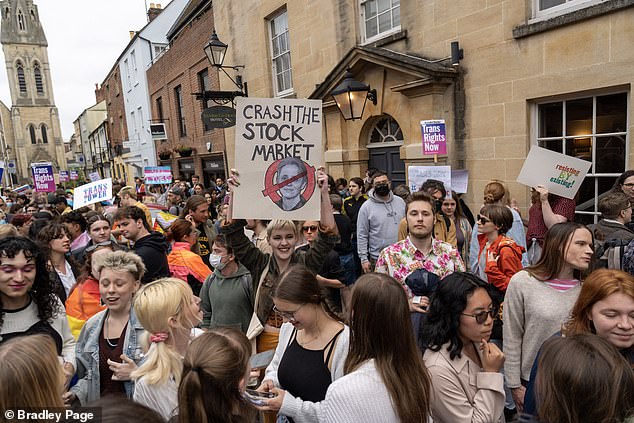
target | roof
x=191, y=11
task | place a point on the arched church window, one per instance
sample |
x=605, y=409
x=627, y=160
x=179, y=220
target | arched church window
x=21, y=24
x=21, y=78
x=44, y=134
x=32, y=15
x=32, y=134
x=6, y=12
x=39, y=84
x=386, y=129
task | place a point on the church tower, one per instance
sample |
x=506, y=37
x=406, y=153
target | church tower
x=36, y=126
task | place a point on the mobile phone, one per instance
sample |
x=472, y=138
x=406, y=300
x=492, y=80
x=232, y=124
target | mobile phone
x=262, y=360
x=259, y=394
x=257, y=398
x=417, y=299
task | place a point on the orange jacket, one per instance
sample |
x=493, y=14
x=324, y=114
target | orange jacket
x=182, y=262
x=504, y=259
x=83, y=303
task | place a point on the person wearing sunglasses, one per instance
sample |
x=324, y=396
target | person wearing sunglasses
x=463, y=364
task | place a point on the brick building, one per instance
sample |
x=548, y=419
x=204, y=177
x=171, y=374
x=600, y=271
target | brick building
x=173, y=78
x=551, y=73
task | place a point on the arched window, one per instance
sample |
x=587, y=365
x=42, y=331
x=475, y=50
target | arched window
x=32, y=134
x=44, y=134
x=386, y=129
x=21, y=25
x=21, y=80
x=39, y=84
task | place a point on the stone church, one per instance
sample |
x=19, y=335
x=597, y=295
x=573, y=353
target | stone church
x=30, y=128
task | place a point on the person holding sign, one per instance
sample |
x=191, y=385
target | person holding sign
x=266, y=268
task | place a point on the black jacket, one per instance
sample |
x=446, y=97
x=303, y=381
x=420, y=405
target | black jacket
x=153, y=250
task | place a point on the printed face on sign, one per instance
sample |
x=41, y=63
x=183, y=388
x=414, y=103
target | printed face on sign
x=289, y=183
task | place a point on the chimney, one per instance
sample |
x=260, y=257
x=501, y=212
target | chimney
x=132, y=34
x=100, y=95
x=154, y=11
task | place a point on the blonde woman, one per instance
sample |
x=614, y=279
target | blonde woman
x=169, y=311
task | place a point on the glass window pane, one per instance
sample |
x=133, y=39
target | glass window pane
x=396, y=3
x=286, y=61
x=547, y=4
x=284, y=45
x=371, y=28
x=610, y=154
x=396, y=16
x=612, y=113
x=580, y=148
x=550, y=120
x=287, y=80
x=552, y=145
x=579, y=117
x=585, y=196
x=280, y=82
x=276, y=46
x=385, y=22
x=384, y=5
x=370, y=9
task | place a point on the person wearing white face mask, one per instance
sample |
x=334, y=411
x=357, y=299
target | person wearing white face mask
x=227, y=295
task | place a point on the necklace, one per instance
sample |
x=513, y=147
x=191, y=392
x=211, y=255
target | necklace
x=105, y=332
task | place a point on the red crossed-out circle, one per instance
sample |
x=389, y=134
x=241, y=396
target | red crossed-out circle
x=273, y=191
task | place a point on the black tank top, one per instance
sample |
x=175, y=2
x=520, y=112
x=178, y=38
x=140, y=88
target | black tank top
x=304, y=373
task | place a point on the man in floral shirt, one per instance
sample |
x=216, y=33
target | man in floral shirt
x=419, y=250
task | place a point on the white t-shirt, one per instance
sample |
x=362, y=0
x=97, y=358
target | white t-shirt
x=68, y=279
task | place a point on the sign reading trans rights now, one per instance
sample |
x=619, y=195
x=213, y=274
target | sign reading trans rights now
x=434, y=137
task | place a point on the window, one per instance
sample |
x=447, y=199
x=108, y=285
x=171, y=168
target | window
x=592, y=129
x=552, y=7
x=385, y=130
x=21, y=24
x=141, y=124
x=133, y=64
x=32, y=134
x=159, y=49
x=39, y=84
x=126, y=67
x=21, y=79
x=159, y=109
x=178, y=96
x=281, y=55
x=205, y=85
x=380, y=17
x=133, y=122
x=44, y=134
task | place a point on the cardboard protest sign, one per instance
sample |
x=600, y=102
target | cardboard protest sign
x=434, y=137
x=94, y=176
x=63, y=176
x=1, y=169
x=278, y=150
x=416, y=175
x=459, y=180
x=93, y=192
x=74, y=175
x=561, y=174
x=153, y=175
x=43, y=177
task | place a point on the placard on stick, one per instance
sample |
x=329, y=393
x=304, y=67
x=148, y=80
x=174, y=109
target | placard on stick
x=560, y=174
x=278, y=150
x=417, y=175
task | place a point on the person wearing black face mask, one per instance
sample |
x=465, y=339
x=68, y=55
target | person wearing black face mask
x=377, y=222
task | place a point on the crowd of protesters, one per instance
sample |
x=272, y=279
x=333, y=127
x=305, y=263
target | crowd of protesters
x=394, y=306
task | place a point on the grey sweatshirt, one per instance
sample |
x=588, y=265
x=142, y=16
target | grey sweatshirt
x=377, y=224
x=532, y=313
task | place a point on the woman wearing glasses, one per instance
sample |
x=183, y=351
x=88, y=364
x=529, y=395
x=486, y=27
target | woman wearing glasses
x=312, y=349
x=539, y=299
x=625, y=184
x=463, y=364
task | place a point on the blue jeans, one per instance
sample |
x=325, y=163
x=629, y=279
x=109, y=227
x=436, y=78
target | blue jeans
x=347, y=262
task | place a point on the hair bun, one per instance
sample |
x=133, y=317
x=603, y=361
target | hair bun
x=489, y=198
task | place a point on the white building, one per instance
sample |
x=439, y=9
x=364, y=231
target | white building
x=143, y=49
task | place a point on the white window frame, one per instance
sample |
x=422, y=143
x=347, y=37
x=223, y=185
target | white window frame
x=380, y=35
x=134, y=67
x=126, y=67
x=577, y=96
x=567, y=7
x=270, y=22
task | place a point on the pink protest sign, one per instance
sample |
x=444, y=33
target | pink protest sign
x=43, y=177
x=434, y=137
x=63, y=176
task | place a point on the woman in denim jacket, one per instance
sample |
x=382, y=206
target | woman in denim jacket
x=108, y=348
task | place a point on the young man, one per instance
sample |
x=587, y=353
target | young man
x=377, y=221
x=175, y=200
x=128, y=197
x=616, y=212
x=419, y=250
x=197, y=211
x=259, y=234
x=152, y=247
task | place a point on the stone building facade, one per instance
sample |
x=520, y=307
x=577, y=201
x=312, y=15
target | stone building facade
x=34, y=117
x=555, y=74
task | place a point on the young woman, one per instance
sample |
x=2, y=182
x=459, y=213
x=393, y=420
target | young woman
x=215, y=370
x=583, y=378
x=23, y=223
x=625, y=183
x=539, y=299
x=227, y=294
x=98, y=229
x=385, y=376
x=499, y=257
x=109, y=343
x=452, y=209
x=169, y=311
x=56, y=241
x=463, y=364
x=605, y=307
x=312, y=349
x=183, y=263
x=28, y=305
x=265, y=268
x=30, y=375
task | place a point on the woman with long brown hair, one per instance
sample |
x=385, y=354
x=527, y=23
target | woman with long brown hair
x=539, y=298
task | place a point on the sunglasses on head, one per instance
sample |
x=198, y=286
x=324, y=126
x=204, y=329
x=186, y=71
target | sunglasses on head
x=311, y=228
x=483, y=219
x=482, y=316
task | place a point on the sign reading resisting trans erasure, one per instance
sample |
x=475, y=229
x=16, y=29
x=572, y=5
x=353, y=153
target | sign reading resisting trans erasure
x=278, y=149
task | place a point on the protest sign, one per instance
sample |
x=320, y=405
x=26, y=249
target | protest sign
x=278, y=149
x=417, y=175
x=21, y=188
x=560, y=174
x=434, y=137
x=74, y=175
x=1, y=169
x=459, y=180
x=93, y=192
x=43, y=177
x=153, y=175
x=63, y=176
x=94, y=176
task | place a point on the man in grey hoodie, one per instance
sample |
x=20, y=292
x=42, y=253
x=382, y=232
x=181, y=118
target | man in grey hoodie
x=378, y=220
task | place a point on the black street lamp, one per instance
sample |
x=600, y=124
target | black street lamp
x=215, y=50
x=351, y=97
